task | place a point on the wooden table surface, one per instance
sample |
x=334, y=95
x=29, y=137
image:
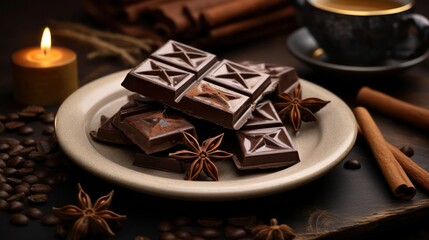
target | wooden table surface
x=343, y=197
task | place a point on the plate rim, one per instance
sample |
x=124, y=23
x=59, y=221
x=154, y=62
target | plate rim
x=200, y=190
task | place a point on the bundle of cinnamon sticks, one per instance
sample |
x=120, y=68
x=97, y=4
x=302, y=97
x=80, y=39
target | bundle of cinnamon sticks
x=399, y=170
x=196, y=22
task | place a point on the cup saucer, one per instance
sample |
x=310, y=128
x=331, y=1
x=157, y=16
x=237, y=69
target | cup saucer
x=304, y=47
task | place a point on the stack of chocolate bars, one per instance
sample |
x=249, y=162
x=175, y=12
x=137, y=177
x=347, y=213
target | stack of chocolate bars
x=179, y=88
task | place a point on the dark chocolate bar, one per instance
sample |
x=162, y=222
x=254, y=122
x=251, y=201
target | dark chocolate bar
x=109, y=134
x=194, y=82
x=263, y=116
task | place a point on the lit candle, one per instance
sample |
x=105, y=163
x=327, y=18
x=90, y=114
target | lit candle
x=44, y=75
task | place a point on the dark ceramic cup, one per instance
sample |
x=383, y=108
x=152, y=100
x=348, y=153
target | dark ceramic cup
x=367, y=37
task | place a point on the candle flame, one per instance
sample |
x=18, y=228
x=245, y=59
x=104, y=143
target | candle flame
x=45, y=43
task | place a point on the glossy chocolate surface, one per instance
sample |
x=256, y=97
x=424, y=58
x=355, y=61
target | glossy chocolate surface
x=263, y=116
x=154, y=131
x=266, y=148
x=161, y=163
x=177, y=75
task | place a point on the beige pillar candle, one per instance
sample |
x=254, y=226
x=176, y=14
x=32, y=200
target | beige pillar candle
x=44, y=75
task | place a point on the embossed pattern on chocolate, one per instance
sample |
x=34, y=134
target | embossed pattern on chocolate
x=264, y=115
x=154, y=131
x=266, y=148
x=175, y=72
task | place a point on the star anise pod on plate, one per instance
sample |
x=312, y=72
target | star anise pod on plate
x=94, y=218
x=202, y=156
x=294, y=109
x=274, y=231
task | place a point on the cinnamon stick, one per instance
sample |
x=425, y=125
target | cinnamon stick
x=398, y=181
x=228, y=11
x=417, y=174
x=393, y=107
x=258, y=21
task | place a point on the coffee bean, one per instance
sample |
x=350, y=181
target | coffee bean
x=2, y=127
x=232, y=232
x=21, y=188
x=38, y=198
x=50, y=220
x=34, y=109
x=24, y=171
x=242, y=221
x=31, y=179
x=34, y=213
x=25, y=130
x=2, y=164
x=40, y=188
x=16, y=197
x=14, y=181
x=352, y=164
x=209, y=232
x=10, y=141
x=210, y=222
x=2, y=118
x=407, y=150
x=16, y=161
x=15, y=206
x=48, y=117
x=52, y=163
x=3, y=205
x=6, y=187
x=4, y=194
x=4, y=156
x=28, y=142
x=20, y=150
x=3, y=179
x=165, y=226
x=48, y=130
x=29, y=164
x=19, y=219
x=12, y=117
x=9, y=171
x=4, y=147
x=27, y=115
x=14, y=125
x=167, y=236
x=182, y=234
x=36, y=155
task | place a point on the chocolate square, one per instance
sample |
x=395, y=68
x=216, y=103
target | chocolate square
x=185, y=57
x=161, y=81
x=265, y=148
x=263, y=116
x=156, y=130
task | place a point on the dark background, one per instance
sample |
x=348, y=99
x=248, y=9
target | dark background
x=343, y=192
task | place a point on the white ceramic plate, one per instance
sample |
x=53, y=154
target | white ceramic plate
x=321, y=145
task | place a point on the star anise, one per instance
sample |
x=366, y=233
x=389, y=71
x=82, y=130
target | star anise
x=88, y=217
x=202, y=157
x=294, y=109
x=273, y=231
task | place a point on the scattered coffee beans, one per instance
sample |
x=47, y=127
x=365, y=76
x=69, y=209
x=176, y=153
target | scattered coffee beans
x=50, y=220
